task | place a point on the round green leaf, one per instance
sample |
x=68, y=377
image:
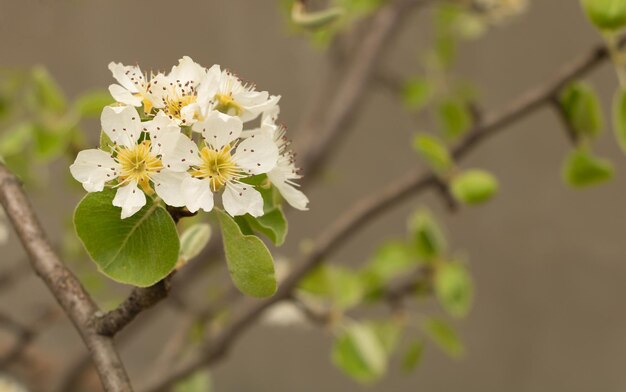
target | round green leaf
x=582, y=109
x=606, y=14
x=140, y=250
x=360, y=353
x=434, y=152
x=581, y=169
x=430, y=241
x=474, y=186
x=249, y=262
x=194, y=239
x=454, y=289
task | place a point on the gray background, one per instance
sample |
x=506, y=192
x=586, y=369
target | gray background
x=548, y=261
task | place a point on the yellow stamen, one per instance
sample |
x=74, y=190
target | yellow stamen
x=226, y=103
x=217, y=166
x=174, y=105
x=137, y=164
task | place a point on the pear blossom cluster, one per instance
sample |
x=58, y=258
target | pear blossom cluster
x=184, y=137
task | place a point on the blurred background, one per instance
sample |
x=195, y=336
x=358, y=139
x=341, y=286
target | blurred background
x=547, y=261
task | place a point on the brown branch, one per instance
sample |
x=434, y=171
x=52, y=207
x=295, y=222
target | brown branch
x=322, y=129
x=140, y=299
x=61, y=282
x=363, y=212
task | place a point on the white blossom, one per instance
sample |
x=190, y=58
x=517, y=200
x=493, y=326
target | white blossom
x=221, y=165
x=133, y=164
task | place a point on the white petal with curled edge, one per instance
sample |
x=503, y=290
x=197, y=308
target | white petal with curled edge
x=120, y=74
x=161, y=129
x=121, y=124
x=159, y=89
x=197, y=194
x=130, y=198
x=290, y=193
x=241, y=199
x=120, y=94
x=188, y=113
x=255, y=103
x=187, y=70
x=257, y=154
x=168, y=185
x=179, y=152
x=208, y=87
x=93, y=168
x=219, y=129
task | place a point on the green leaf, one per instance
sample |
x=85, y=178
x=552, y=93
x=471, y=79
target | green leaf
x=359, y=352
x=619, y=118
x=249, y=262
x=581, y=169
x=272, y=224
x=444, y=337
x=15, y=140
x=47, y=92
x=388, y=333
x=91, y=104
x=199, y=381
x=140, y=250
x=315, y=20
x=340, y=285
x=473, y=186
x=429, y=239
x=416, y=92
x=50, y=141
x=106, y=144
x=413, y=356
x=194, y=239
x=606, y=14
x=454, y=117
x=434, y=152
x=392, y=259
x=454, y=289
x=582, y=109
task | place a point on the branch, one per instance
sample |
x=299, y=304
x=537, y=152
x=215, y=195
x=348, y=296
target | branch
x=61, y=282
x=321, y=129
x=365, y=211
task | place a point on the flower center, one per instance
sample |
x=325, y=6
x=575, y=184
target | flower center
x=217, y=166
x=137, y=164
x=226, y=104
x=174, y=105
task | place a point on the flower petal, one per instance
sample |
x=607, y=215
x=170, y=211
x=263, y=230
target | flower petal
x=130, y=198
x=257, y=154
x=121, y=124
x=188, y=70
x=161, y=129
x=120, y=94
x=290, y=193
x=219, y=129
x=241, y=199
x=168, y=185
x=197, y=194
x=123, y=74
x=179, y=152
x=93, y=168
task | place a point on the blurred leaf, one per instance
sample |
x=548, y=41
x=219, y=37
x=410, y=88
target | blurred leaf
x=434, y=152
x=90, y=105
x=619, y=117
x=139, y=250
x=581, y=169
x=416, y=93
x=359, y=352
x=391, y=259
x=249, y=262
x=47, y=92
x=582, y=109
x=199, y=381
x=314, y=20
x=340, y=285
x=445, y=337
x=454, y=288
x=429, y=239
x=454, y=117
x=473, y=186
x=413, y=356
x=50, y=142
x=388, y=333
x=606, y=14
x=14, y=140
x=194, y=239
